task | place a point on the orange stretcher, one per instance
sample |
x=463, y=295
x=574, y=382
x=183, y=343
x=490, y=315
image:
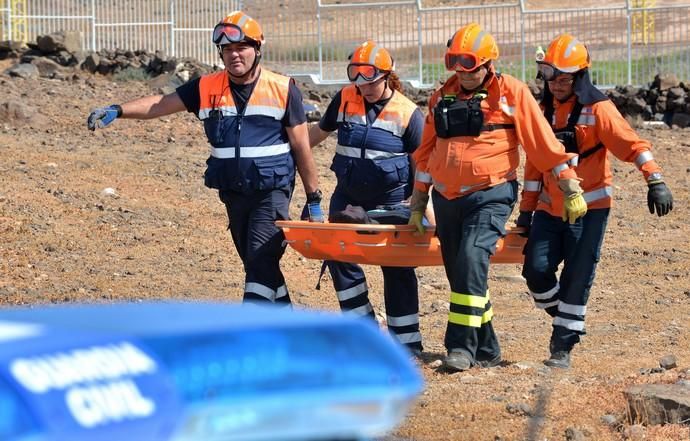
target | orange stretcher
x=382, y=245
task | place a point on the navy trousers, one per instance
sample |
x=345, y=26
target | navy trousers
x=578, y=246
x=259, y=242
x=400, y=290
x=468, y=229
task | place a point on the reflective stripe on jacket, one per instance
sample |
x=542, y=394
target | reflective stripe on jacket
x=250, y=150
x=463, y=164
x=599, y=124
x=370, y=159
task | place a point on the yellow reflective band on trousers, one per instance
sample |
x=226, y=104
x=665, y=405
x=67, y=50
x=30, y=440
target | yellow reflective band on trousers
x=475, y=320
x=468, y=300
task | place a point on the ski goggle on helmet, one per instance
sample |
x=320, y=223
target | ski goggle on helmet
x=469, y=48
x=565, y=55
x=237, y=27
x=368, y=63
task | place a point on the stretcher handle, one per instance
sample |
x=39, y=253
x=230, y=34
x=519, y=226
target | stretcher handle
x=349, y=227
x=363, y=227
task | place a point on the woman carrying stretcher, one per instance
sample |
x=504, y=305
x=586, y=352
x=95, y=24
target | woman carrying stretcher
x=378, y=129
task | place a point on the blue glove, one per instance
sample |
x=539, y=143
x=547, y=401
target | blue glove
x=100, y=118
x=315, y=213
x=313, y=207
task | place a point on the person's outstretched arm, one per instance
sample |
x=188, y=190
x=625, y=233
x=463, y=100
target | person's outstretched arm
x=148, y=107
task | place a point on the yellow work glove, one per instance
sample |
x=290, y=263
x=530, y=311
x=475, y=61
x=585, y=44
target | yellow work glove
x=418, y=203
x=417, y=219
x=574, y=205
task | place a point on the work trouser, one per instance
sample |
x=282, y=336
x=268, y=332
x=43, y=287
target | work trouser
x=552, y=241
x=259, y=242
x=399, y=284
x=468, y=229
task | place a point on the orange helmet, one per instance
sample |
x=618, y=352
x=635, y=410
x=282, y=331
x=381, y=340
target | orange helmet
x=369, y=62
x=470, y=47
x=565, y=55
x=238, y=27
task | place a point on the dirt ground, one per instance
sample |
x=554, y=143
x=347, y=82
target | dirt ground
x=160, y=234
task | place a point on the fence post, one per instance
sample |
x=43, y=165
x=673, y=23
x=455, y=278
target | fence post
x=172, y=28
x=320, y=38
x=629, y=18
x=420, y=43
x=9, y=21
x=523, y=60
x=93, y=25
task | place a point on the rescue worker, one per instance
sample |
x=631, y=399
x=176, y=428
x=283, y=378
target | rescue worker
x=590, y=126
x=256, y=126
x=378, y=128
x=469, y=153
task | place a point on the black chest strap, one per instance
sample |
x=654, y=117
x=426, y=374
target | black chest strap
x=572, y=119
x=591, y=151
x=570, y=126
x=492, y=127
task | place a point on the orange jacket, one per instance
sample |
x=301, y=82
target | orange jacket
x=464, y=164
x=598, y=123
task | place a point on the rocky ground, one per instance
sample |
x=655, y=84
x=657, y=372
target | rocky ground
x=122, y=215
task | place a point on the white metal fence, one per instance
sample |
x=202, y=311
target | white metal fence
x=629, y=44
x=176, y=27
x=5, y=20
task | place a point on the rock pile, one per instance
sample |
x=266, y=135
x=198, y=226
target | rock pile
x=60, y=55
x=666, y=99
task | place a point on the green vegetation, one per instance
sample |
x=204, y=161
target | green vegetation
x=131, y=74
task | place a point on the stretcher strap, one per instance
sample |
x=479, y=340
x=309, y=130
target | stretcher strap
x=323, y=270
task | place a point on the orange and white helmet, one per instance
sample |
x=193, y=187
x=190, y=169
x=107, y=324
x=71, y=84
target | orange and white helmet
x=368, y=63
x=566, y=54
x=470, y=47
x=238, y=27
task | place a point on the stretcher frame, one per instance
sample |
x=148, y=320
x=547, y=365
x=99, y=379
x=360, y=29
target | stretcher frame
x=383, y=245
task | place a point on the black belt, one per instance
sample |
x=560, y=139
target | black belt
x=492, y=127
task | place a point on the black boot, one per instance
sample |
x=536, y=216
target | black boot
x=457, y=361
x=559, y=359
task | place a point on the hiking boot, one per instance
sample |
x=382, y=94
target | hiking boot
x=457, y=361
x=559, y=359
x=490, y=363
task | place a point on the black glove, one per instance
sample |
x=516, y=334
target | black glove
x=524, y=220
x=659, y=198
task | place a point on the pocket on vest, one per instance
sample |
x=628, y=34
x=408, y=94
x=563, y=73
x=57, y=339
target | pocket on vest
x=269, y=176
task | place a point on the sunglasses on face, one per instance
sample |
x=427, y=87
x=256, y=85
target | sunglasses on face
x=466, y=62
